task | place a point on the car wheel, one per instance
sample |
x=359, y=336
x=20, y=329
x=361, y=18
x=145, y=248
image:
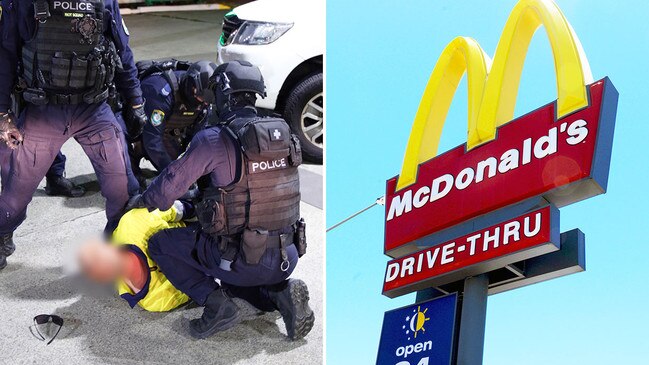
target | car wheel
x=304, y=111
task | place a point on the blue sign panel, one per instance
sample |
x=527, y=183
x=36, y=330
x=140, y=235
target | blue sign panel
x=420, y=334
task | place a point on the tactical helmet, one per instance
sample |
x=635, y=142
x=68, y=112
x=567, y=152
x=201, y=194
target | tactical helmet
x=194, y=84
x=235, y=78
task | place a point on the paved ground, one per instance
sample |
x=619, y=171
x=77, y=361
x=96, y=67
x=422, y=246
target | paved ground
x=100, y=328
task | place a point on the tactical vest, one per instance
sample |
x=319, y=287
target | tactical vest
x=265, y=201
x=68, y=61
x=179, y=128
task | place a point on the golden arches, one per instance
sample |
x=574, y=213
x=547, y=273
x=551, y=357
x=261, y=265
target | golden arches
x=493, y=90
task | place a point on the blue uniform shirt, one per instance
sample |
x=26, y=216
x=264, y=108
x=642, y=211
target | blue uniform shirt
x=17, y=25
x=160, y=101
x=212, y=152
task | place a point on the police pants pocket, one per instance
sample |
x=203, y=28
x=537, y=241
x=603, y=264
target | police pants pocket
x=97, y=144
x=253, y=245
x=78, y=73
x=60, y=71
x=23, y=159
x=211, y=216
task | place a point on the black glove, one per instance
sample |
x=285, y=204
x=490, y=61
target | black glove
x=135, y=119
x=9, y=133
x=136, y=202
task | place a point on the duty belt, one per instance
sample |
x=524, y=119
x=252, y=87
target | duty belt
x=41, y=97
x=281, y=239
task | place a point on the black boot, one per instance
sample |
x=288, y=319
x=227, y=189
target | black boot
x=60, y=186
x=220, y=314
x=292, y=301
x=7, y=247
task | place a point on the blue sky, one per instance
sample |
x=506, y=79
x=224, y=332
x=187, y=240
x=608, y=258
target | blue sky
x=379, y=57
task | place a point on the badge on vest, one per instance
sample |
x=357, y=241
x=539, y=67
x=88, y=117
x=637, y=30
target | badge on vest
x=263, y=166
x=157, y=117
x=0, y=12
x=275, y=134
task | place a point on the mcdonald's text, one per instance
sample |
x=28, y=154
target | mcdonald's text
x=511, y=159
x=532, y=155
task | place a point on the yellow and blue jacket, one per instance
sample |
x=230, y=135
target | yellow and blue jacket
x=133, y=232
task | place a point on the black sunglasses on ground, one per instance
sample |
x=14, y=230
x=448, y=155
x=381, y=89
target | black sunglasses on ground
x=42, y=319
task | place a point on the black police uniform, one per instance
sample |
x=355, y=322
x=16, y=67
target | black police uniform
x=69, y=53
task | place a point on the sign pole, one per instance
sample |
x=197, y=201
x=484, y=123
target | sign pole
x=472, y=322
x=428, y=294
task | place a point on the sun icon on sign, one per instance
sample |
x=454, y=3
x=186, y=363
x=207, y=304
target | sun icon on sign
x=417, y=321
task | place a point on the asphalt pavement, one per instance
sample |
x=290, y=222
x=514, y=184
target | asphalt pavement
x=100, y=328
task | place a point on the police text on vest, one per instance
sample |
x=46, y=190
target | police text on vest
x=268, y=165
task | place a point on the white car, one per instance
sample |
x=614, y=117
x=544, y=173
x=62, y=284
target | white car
x=286, y=40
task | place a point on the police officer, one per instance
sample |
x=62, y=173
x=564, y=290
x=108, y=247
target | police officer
x=65, y=56
x=56, y=184
x=250, y=232
x=176, y=103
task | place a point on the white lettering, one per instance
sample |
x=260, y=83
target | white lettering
x=537, y=225
x=464, y=178
x=404, y=351
x=268, y=165
x=75, y=6
x=447, y=253
x=407, y=266
x=508, y=161
x=432, y=257
x=421, y=197
x=487, y=168
x=400, y=205
x=491, y=239
x=511, y=229
x=435, y=192
x=491, y=162
x=392, y=273
x=472, y=241
x=577, y=132
x=527, y=151
x=546, y=145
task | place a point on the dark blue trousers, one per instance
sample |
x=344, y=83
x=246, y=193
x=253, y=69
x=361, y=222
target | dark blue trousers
x=58, y=166
x=190, y=260
x=46, y=129
x=133, y=184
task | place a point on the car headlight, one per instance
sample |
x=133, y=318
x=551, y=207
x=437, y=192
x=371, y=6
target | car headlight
x=258, y=33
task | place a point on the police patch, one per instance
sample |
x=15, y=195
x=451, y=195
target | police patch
x=157, y=117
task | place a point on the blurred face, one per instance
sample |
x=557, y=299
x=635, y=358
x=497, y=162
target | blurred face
x=100, y=261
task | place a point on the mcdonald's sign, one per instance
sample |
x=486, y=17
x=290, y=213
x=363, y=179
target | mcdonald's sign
x=560, y=152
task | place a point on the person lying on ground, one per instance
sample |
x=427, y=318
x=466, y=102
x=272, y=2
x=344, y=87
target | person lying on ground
x=124, y=259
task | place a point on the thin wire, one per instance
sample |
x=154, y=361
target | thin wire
x=379, y=201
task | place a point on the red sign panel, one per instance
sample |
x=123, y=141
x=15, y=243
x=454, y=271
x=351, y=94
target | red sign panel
x=514, y=240
x=531, y=156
